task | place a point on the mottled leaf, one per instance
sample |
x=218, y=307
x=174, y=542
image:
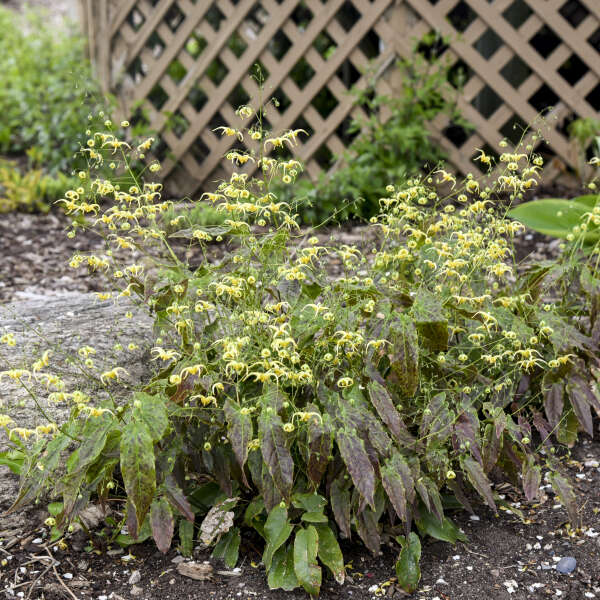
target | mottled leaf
x=305, y=560
x=177, y=498
x=479, y=480
x=368, y=530
x=566, y=495
x=239, y=431
x=282, y=574
x=358, y=464
x=276, y=453
x=228, y=547
x=162, y=523
x=407, y=565
x=399, y=485
x=137, y=467
x=151, y=410
x=532, y=477
x=339, y=496
x=404, y=356
x=319, y=446
x=466, y=429
x=582, y=408
x=186, y=537
x=554, y=403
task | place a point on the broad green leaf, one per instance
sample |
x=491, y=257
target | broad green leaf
x=314, y=517
x=407, y=566
x=228, y=547
x=55, y=508
x=430, y=320
x=152, y=411
x=282, y=574
x=253, y=515
x=309, y=502
x=308, y=572
x=553, y=216
x=94, y=437
x=329, y=552
x=186, y=537
x=568, y=428
x=277, y=531
x=137, y=467
x=162, y=523
x=446, y=531
x=13, y=459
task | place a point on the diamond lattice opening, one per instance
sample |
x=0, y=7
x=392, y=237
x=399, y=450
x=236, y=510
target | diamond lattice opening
x=174, y=17
x=217, y=71
x=456, y=134
x=301, y=16
x=348, y=74
x=545, y=41
x=137, y=70
x=256, y=19
x=488, y=43
x=156, y=45
x=214, y=17
x=325, y=102
x=195, y=45
x=158, y=97
x=459, y=74
x=544, y=99
x=199, y=150
x=282, y=102
x=515, y=71
x=324, y=45
x=371, y=45
x=135, y=19
x=347, y=16
x=302, y=73
x=279, y=45
x=324, y=157
x=517, y=13
x=461, y=16
x=573, y=69
x=178, y=124
x=593, y=98
x=514, y=129
x=238, y=97
x=346, y=132
x=574, y=12
x=197, y=98
x=487, y=102
x=237, y=44
x=302, y=123
x=594, y=40
x=176, y=71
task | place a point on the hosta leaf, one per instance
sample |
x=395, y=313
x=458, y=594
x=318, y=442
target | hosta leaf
x=532, y=477
x=137, y=467
x=330, y=553
x=339, y=496
x=358, y=464
x=386, y=410
x=281, y=573
x=479, y=480
x=407, y=565
x=275, y=452
x=228, y=547
x=554, y=403
x=151, y=410
x=404, y=356
x=305, y=560
x=162, y=523
x=445, y=531
x=566, y=495
x=177, y=498
x=277, y=530
x=186, y=537
x=432, y=325
x=239, y=431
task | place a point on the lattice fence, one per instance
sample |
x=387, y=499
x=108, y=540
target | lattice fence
x=185, y=64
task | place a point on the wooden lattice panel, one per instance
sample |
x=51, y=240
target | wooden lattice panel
x=185, y=63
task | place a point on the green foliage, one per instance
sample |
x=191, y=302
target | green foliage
x=47, y=90
x=390, y=142
x=312, y=408
x=560, y=218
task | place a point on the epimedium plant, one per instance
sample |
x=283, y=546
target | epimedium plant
x=310, y=408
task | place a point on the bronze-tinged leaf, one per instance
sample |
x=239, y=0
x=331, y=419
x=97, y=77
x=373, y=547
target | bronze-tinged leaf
x=491, y=447
x=566, y=495
x=437, y=422
x=358, y=464
x=162, y=524
x=239, y=432
x=543, y=427
x=583, y=385
x=479, y=480
x=398, y=484
x=581, y=407
x=466, y=429
x=138, y=467
x=319, y=446
x=432, y=325
x=404, y=356
x=386, y=410
x=185, y=389
x=532, y=478
x=456, y=485
x=554, y=403
x=276, y=453
x=177, y=498
x=368, y=531
x=339, y=496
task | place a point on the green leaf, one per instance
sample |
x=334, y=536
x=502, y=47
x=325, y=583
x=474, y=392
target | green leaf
x=55, y=508
x=446, y=531
x=309, y=502
x=277, y=530
x=228, y=547
x=152, y=411
x=137, y=467
x=145, y=532
x=329, y=552
x=430, y=320
x=407, y=565
x=282, y=574
x=186, y=537
x=314, y=517
x=162, y=523
x=553, y=216
x=305, y=560
x=13, y=459
x=253, y=515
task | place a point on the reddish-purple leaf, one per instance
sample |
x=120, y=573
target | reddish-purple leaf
x=239, y=432
x=177, y=498
x=465, y=429
x=491, y=448
x=532, y=477
x=581, y=407
x=386, y=410
x=366, y=526
x=358, y=464
x=339, y=496
x=162, y=524
x=319, y=446
x=276, y=453
x=554, y=403
x=479, y=480
x=566, y=495
x=399, y=485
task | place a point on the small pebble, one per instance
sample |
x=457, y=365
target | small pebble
x=135, y=577
x=136, y=591
x=591, y=464
x=68, y=575
x=474, y=518
x=566, y=565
